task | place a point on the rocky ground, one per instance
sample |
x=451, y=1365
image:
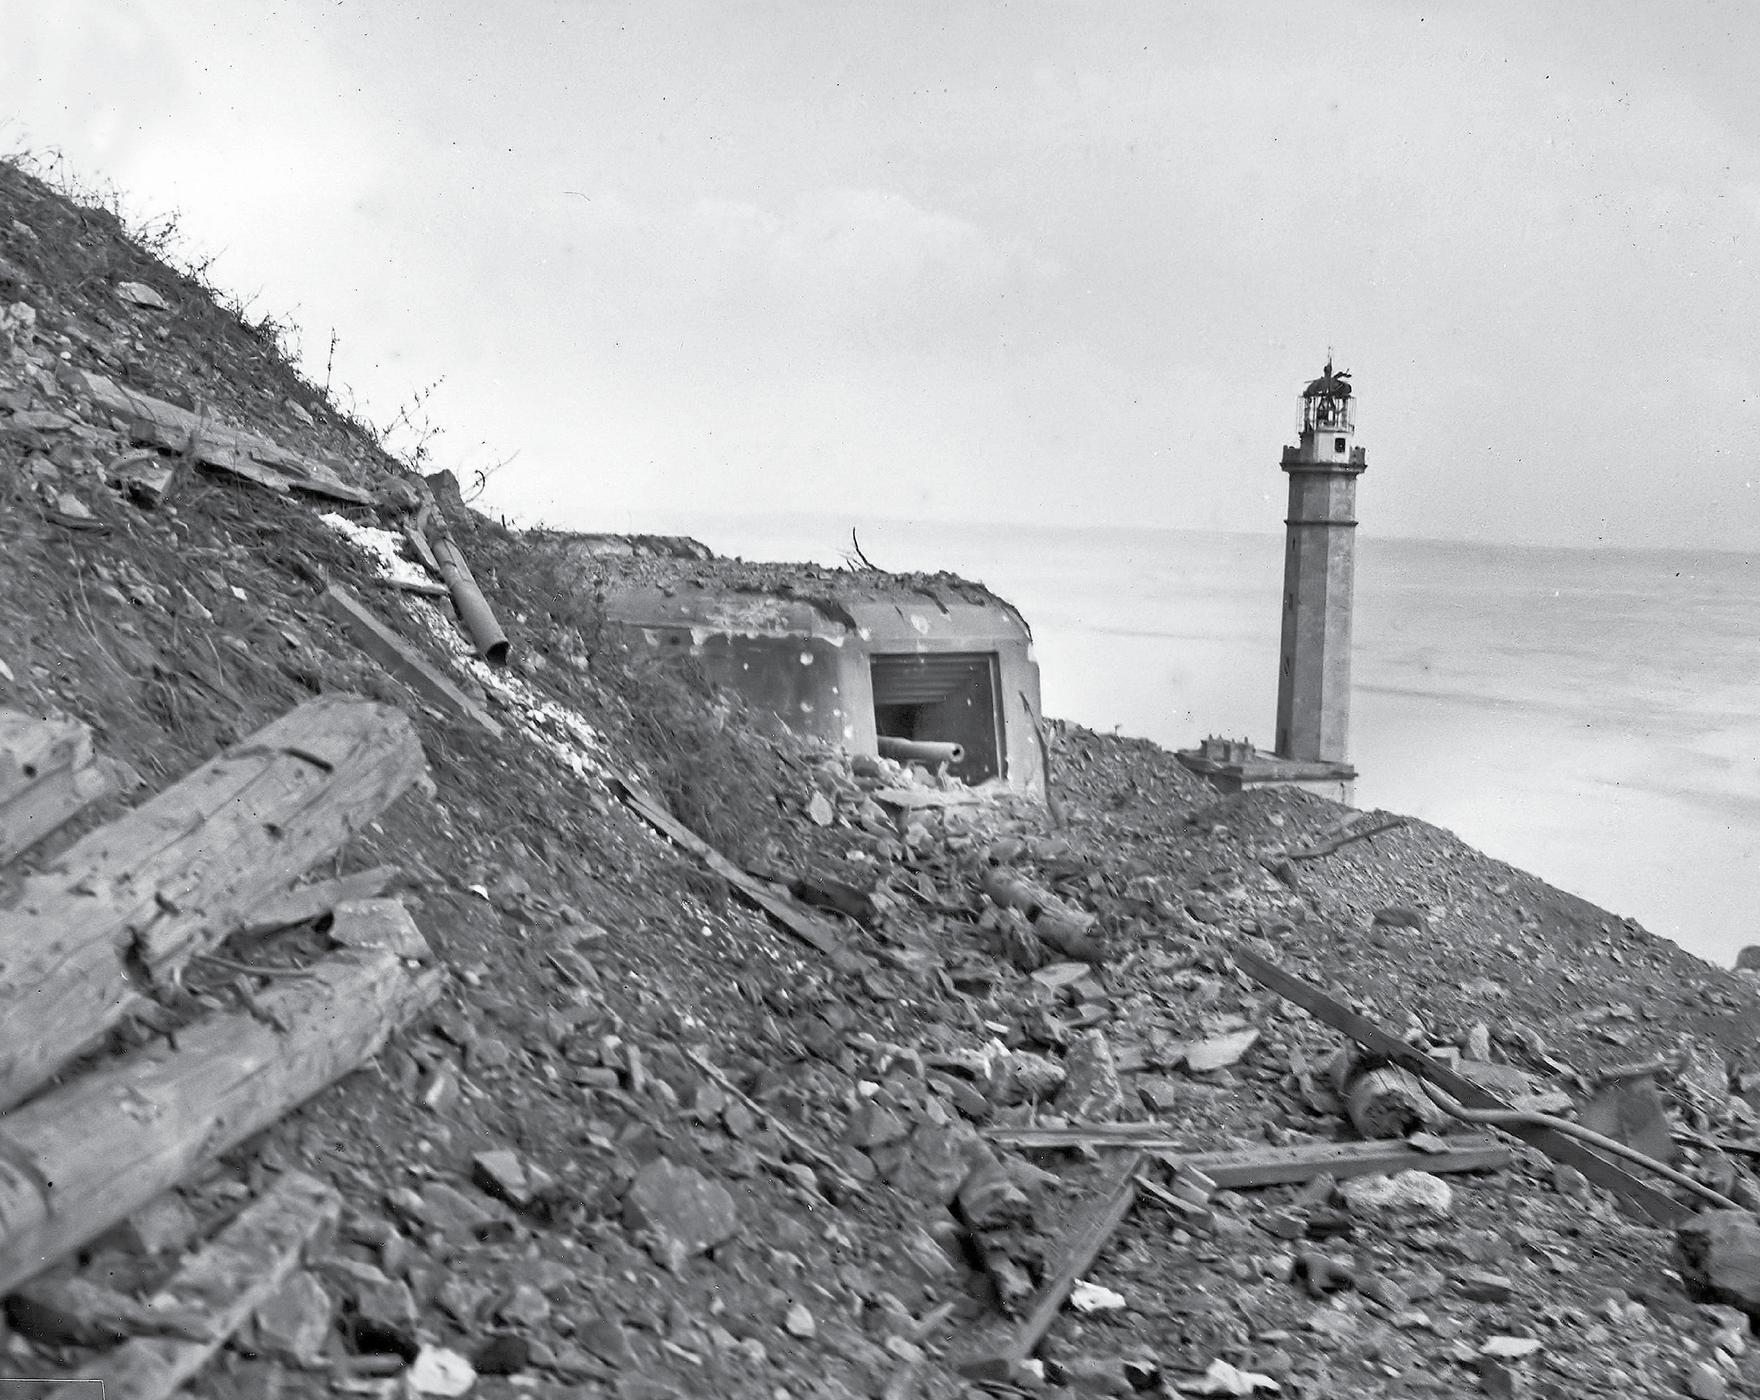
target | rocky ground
x=652, y=1145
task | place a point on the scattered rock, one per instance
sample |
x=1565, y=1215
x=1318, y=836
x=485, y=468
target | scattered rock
x=1401, y=916
x=1223, y=1379
x=525, y=1306
x=439, y=1371
x=926, y=1255
x=505, y=1354
x=799, y=1322
x=1409, y=1196
x=378, y=923
x=606, y=1339
x=933, y=1163
x=383, y=1318
x=1022, y=1076
x=60, y=1310
x=139, y=294
x=489, y=1053
x=1631, y=1111
x=1706, y=1382
x=1502, y=1381
x=293, y=1323
x=1720, y=1258
x=1091, y=1090
x=1479, y=1287
x=989, y=1199
x=502, y=1174
x=164, y=1224
x=680, y=1205
x=463, y=1299
x=1322, y=1274
x=456, y=1214
x=1160, y=1094
x=874, y=1125
x=1088, y=1297
x=1509, y=1348
x=1220, y=1051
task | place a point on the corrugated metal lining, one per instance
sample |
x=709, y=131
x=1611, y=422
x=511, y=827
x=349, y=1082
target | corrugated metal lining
x=921, y=678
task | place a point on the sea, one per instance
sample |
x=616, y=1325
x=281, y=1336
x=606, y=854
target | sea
x=1591, y=716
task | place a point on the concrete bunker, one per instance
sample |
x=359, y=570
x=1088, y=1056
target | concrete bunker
x=870, y=661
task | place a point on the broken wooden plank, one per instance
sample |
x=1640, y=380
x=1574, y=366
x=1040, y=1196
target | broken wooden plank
x=48, y=775
x=1265, y=1166
x=1272, y=1166
x=59, y=1309
x=1361, y=832
x=790, y=915
x=305, y=902
x=1654, y=1203
x=1077, y=1249
x=81, y=1157
x=422, y=587
x=378, y=923
x=821, y=1161
x=913, y=799
x=215, y=1291
x=214, y=445
x=308, y=474
x=128, y=904
x=403, y=661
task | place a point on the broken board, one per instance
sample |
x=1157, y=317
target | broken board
x=1271, y=1166
x=48, y=775
x=1076, y=1251
x=1658, y=1205
x=215, y=1291
x=400, y=659
x=790, y=915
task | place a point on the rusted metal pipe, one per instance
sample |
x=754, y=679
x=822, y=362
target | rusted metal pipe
x=474, y=612
x=1519, y=1117
x=1061, y=927
x=930, y=751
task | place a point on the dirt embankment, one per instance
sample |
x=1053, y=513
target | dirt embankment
x=741, y=1165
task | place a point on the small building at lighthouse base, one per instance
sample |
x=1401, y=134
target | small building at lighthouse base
x=1234, y=765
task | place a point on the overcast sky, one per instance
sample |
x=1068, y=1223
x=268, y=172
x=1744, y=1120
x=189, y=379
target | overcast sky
x=1065, y=262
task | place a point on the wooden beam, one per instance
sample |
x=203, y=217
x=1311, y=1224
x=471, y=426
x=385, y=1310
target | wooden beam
x=1658, y=1205
x=402, y=660
x=48, y=775
x=779, y=907
x=1361, y=832
x=216, y=446
x=1268, y=1166
x=1077, y=1248
x=81, y=1157
x=127, y=905
x=215, y=1291
x=1272, y=1166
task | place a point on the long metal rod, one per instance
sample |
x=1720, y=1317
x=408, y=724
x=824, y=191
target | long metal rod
x=1508, y=1118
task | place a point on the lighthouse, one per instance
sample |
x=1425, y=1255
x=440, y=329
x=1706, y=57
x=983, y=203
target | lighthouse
x=1319, y=568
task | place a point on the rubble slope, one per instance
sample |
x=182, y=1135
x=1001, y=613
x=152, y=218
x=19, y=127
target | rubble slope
x=650, y=1144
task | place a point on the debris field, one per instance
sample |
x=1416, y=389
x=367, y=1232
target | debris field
x=409, y=992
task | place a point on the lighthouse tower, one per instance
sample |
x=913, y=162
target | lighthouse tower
x=1319, y=568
